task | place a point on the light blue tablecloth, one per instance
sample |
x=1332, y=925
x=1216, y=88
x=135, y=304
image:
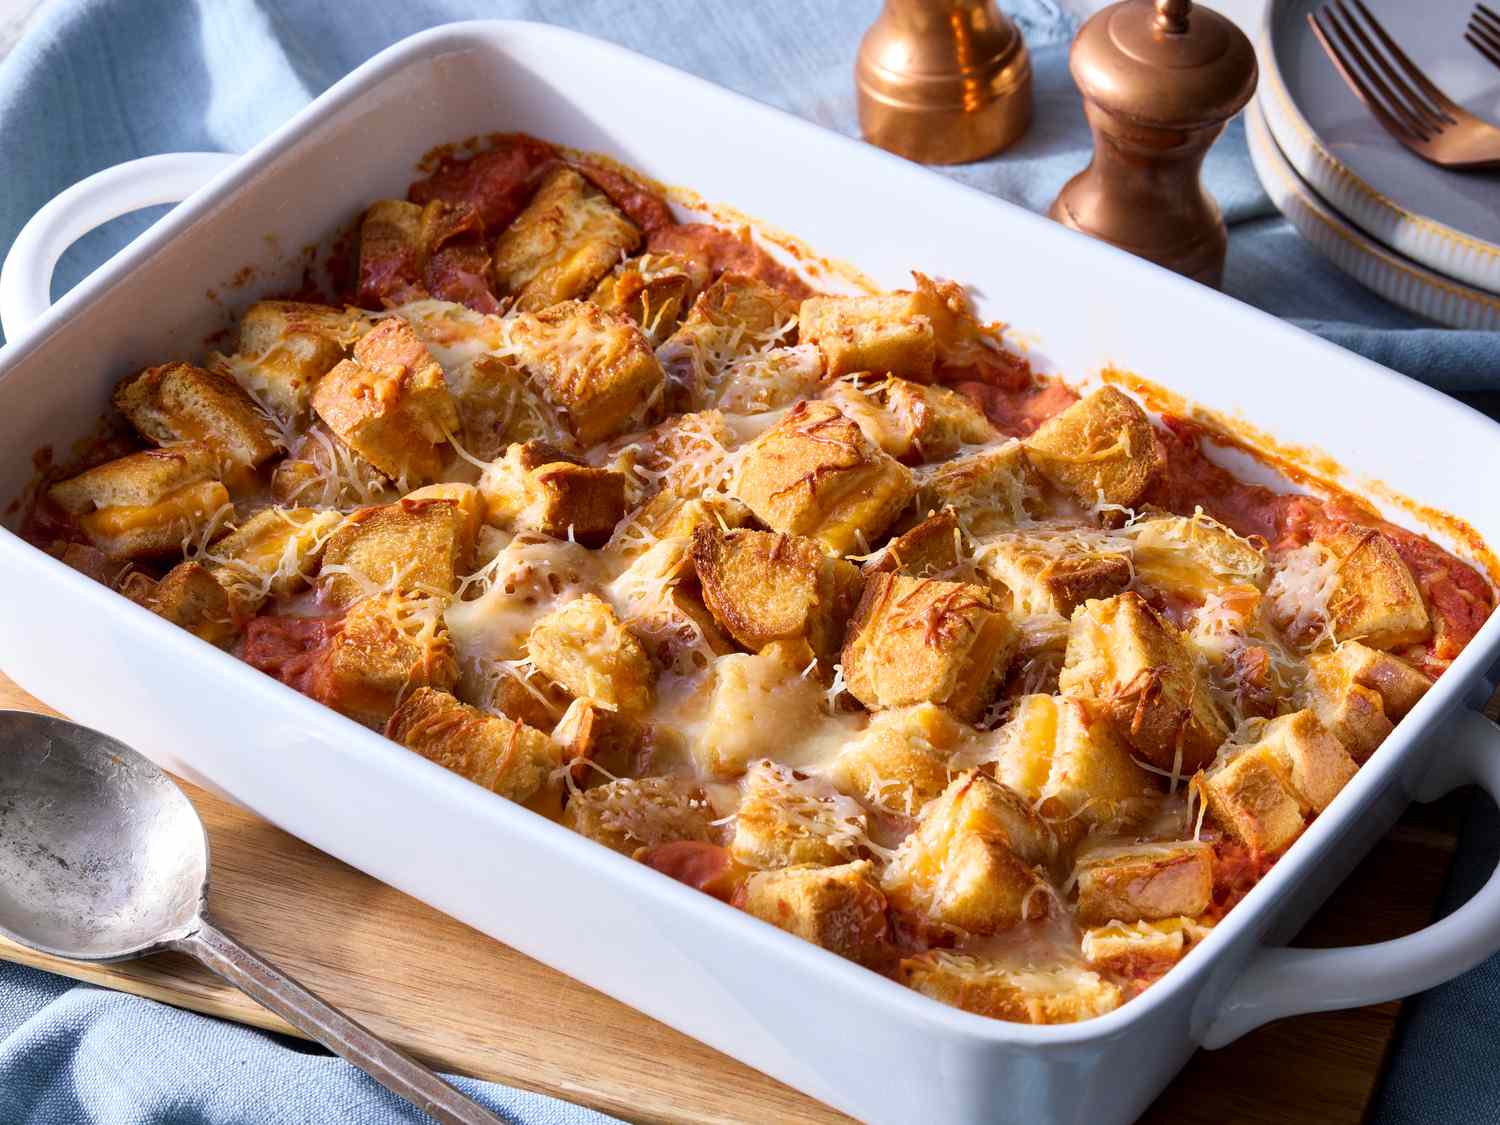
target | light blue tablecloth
x=96, y=82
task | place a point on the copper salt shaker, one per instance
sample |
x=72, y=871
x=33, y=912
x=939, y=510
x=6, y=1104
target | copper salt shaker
x=943, y=81
x=1159, y=82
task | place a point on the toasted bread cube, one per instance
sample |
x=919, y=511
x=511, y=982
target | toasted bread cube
x=1141, y=949
x=498, y=404
x=91, y=561
x=973, y=861
x=594, y=367
x=669, y=516
x=146, y=504
x=179, y=402
x=1250, y=797
x=390, y=403
x=915, y=639
x=1347, y=695
x=505, y=757
x=1135, y=882
x=900, y=761
x=385, y=647
x=538, y=487
x=1193, y=556
x=601, y=744
x=583, y=647
x=527, y=697
x=285, y=347
x=1122, y=654
x=634, y=813
x=686, y=455
x=1021, y=994
x=762, y=586
x=815, y=474
x=1064, y=757
x=858, y=401
x=654, y=290
x=569, y=236
x=411, y=544
x=786, y=819
x=931, y=549
x=838, y=908
x=889, y=333
x=468, y=498
x=1051, y=575
x=273, y=553
x=1101, y=449
x=990, y=490
x=757, y=703
x=1375, y=600
x=732, y=318
x=1398, y=684
x=192, y=598
x=934, y=422
x=1316, y=763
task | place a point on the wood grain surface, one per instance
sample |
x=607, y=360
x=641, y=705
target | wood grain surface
x=470, y=1005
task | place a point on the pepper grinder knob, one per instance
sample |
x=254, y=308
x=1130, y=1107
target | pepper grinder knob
x=1159, y=83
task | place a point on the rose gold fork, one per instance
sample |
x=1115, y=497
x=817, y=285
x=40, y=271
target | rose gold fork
x=1483, y=33
x=1395, y=90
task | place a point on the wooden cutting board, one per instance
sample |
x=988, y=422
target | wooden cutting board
x=467, y=1004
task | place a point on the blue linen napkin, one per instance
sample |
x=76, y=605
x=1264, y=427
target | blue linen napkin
x=96, y=82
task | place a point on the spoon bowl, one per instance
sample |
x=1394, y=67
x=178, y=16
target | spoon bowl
x=103, y=858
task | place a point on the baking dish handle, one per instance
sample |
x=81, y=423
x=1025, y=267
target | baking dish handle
x=26, y=277
x=1289, y=982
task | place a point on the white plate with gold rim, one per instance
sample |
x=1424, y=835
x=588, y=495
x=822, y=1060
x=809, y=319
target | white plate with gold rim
x=1396, y=278
x=1444, y=220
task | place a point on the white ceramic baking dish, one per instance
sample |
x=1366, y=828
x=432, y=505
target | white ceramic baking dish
x=821, y=1024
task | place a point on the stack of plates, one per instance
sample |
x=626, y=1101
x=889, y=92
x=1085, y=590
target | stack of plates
x=1423, y=237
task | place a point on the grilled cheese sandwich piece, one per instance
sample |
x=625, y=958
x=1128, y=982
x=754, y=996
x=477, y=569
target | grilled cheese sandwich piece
x=654, y=290
x=1375, y=600
x=933, y=548
x=900, y=761
x=505, y=757
x=1140, y=668
x=1194, y=556
x=839, y=908
x=178, y=402
x=583, y=647
x=285, y=347
x=421, y=545
x=785, y=819
x=815, y=474
x=735, y=318
x=601, y=744
x=977, y=859
x=273, y=554
x=538, y=487
x=630, y=814
x=1051, y=574
x=886, y=334
x=594, y=368
x=386, y=647
x=191, y=597
x=1144, y=882
x=763, y=586
x=1262, y=793
x=390, y=403
x=566, y=239
x=146, y=504
x=990, y=490
x=919, y=639
x=1048, y=994
x=1101, y=449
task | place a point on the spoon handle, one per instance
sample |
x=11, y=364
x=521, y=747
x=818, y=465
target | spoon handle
x=394, y=1070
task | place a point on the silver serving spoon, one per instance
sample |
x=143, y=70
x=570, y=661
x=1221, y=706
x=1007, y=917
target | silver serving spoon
x=103, y=858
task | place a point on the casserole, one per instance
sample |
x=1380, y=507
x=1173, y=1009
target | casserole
x=873, y=1050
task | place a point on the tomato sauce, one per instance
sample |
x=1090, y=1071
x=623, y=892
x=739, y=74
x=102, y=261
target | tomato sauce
x=1458, y=598
x=724, y=251
x=498, y=182
x=289, y=648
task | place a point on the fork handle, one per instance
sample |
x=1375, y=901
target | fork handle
x=394, y=1070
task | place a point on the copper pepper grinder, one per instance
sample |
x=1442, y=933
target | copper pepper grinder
x=1159, y=82
x=943, y=81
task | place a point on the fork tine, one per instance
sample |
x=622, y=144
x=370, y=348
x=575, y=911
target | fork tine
x=1489, y=51
x=1376, y=73
x=1484, y=14
x=1433, y=119
x=1441, y=100
x=1485, y=27
x=1402, y=129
